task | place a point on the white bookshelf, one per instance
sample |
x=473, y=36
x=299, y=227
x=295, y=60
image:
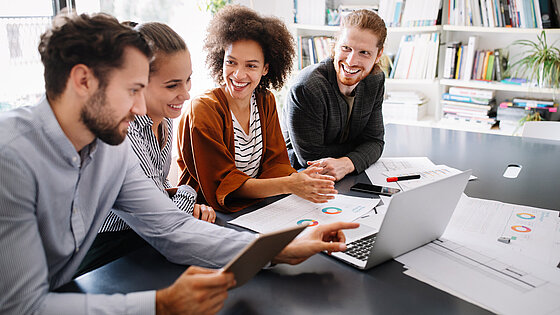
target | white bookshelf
x=331, y=30
x=411, y=81
x=489, y=38
x=499, y=30
x=498, y=86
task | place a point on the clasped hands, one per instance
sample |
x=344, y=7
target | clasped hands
x=337, y=168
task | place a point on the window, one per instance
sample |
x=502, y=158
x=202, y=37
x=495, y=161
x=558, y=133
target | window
x=21, y=24
x=184, y=16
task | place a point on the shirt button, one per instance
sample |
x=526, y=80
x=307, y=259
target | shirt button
x=74, y=159
x=77, y=249
x=74, y=210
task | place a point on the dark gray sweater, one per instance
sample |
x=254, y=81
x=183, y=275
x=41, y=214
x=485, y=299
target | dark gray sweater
x=315, y=115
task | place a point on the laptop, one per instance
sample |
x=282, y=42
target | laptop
x=414, y=217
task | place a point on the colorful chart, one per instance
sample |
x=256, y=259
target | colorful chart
x=521, y=228
x=332, y=210
x=526, y=216
x=311, y=222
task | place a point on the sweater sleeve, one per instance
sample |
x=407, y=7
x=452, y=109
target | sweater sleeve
x=306, y=115
x=368, y=146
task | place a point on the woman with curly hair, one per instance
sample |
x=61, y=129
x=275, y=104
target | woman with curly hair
x=231, y=148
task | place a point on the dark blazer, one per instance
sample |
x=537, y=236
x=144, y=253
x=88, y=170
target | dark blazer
x=315, y=115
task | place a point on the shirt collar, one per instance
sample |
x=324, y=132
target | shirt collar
x=58, y=138
x=141, y=122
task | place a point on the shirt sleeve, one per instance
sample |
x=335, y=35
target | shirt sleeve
x=185, y=198
x=180, y=237
x=23, y=264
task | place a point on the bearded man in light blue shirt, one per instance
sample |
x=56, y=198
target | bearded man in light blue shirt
x=65, y=163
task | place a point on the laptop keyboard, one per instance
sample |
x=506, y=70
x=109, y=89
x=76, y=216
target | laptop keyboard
x=361, y=248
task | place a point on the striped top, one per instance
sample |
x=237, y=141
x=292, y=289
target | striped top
x=248, y=147
x=155, y=162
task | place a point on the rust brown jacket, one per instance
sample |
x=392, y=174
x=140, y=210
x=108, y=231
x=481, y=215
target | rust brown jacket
x=206, y=149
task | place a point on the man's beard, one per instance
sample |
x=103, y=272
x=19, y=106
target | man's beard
x=100, y=120
x=349, y=81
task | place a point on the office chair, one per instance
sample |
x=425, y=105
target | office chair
x=549, y=130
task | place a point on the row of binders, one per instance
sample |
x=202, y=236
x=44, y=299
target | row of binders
x=408, y=13
x=417, y=57
x=467, y=63
x=504, y=13
x=313, y=49
x=470, y=105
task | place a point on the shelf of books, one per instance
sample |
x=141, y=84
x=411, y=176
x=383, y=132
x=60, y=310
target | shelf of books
x=498, y=86
x=333, y=29
x=431, y=63
x=504, y=30
x=410, y=81
x=515, y=14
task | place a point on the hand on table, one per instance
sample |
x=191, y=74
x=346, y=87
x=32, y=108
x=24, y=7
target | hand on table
x=204, y=213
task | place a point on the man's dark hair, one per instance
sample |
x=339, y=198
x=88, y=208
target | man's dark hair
x=234, y=23
x=97, y=41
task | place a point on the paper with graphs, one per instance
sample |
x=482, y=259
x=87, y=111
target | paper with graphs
x=294, y=210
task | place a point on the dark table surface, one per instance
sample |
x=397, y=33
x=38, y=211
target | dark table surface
x=323, y=285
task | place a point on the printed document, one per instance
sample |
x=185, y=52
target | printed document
x=427, y=175
x=532, y=232
x=294, y=210
x=518, y=277
x=376, y=172
x=499, y=281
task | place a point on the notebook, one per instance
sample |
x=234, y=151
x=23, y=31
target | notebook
x=414, y=217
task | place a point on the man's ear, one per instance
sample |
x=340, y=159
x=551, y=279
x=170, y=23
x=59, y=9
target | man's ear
x=379, y=54
x=82, y=80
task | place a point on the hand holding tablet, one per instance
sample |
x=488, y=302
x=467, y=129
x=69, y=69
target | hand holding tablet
x=259, y=252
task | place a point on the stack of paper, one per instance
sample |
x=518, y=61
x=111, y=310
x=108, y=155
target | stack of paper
x=403, y=166
x=519, y=277
x=404, y=105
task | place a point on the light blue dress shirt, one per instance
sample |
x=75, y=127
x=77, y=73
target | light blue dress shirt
x=53, y=201
x=155, y=162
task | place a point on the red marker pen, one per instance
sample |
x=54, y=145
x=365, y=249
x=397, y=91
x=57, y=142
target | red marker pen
x=394, y=179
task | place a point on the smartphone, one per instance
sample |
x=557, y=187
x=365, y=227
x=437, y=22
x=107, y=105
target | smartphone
x=374, y=189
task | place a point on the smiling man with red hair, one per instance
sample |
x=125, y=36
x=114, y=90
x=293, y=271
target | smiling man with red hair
x=332, y=116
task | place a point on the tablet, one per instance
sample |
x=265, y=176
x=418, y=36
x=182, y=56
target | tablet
x=259, y=252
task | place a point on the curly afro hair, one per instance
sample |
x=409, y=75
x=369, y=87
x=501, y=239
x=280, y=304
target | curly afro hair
x=234, y=23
